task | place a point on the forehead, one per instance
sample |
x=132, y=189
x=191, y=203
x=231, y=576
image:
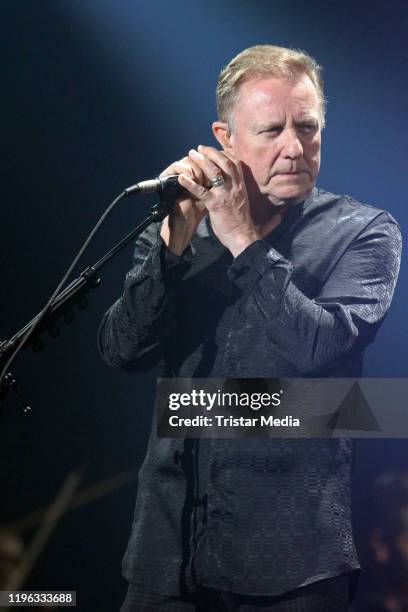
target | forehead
x=277, y=96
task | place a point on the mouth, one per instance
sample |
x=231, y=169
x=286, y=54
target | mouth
x=293, y=172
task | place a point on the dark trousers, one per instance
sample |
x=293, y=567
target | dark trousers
x=331, y=595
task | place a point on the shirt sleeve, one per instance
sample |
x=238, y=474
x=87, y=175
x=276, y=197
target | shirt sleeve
x=132, y=331
x=315, y=333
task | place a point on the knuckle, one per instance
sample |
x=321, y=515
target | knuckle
x=202, y=191
x=174, y=168
x=187, y=170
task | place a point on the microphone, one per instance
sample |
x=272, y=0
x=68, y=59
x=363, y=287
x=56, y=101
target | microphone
x=167, y=186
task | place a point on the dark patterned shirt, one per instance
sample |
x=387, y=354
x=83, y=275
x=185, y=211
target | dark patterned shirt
x=254, y=516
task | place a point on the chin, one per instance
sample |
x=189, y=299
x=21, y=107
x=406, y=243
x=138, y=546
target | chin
x=289, y=196
x=288, y=190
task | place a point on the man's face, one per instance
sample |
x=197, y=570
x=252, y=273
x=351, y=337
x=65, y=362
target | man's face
x=276, y=134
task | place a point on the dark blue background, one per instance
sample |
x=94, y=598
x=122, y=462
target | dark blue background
x=98, y=94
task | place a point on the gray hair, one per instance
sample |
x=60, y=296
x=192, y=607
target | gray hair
x=261, y=61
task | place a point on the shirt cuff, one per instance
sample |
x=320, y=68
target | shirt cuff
x=175, y=266
x=252, y=263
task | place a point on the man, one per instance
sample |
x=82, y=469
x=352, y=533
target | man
x=258, y=274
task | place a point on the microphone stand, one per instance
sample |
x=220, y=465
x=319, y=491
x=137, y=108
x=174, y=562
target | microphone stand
x=74, y=294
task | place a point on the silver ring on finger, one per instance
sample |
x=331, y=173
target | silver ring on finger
x=218, y=181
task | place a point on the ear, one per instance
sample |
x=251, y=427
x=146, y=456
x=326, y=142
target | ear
x=222, y=134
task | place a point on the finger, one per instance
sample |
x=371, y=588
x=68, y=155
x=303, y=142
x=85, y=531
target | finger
x=184, y=165
x=209, y=168
x=198, y=175
x=227, y=162
x=235, y=161
x=198, y=191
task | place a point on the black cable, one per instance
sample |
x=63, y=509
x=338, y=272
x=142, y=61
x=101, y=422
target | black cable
x=47, y=306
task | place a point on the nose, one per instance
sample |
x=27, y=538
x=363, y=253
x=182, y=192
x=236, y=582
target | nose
x=291, y=145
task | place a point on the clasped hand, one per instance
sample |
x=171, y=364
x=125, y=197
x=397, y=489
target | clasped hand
x=226, y=203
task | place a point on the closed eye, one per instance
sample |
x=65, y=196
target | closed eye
x=304, y=128
x=307, y=128
x=275, y=129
